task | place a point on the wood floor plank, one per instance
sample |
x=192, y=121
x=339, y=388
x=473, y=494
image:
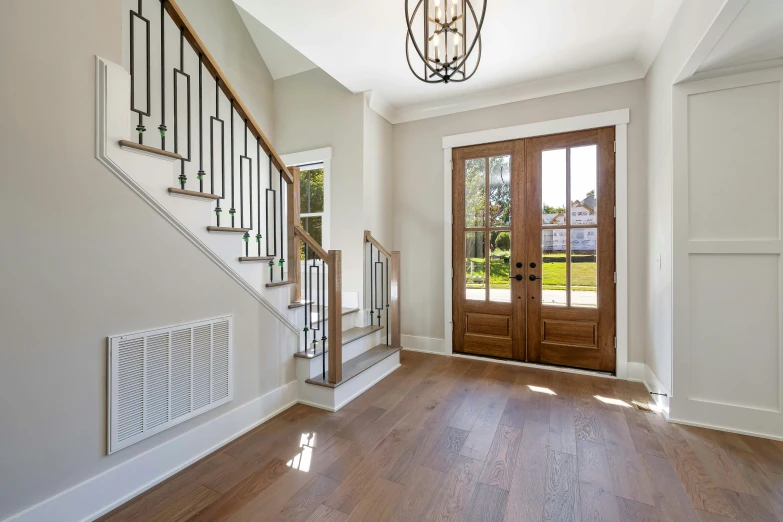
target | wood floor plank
x=421, y=444
x=444, y=452
x=631, y=511
x=488, y=504
x=596, y=493
x=244, y=492
x=382, y=497
x=706, y=516
x=721, y=466
x=501, y=459
x=306, y=500
x=456, y=491
x=326, y=514
x=748, y=507
x=419, y=496
x=670, y=498
x=528, y=491
x=353, y=488
x=480, y=438
x=274, y=498
x=562, y=488
x=562, y=427
x=702, y=491
x=184, y=508
x=769, y=452
x=644, y=438
x=629, y=478
x=356, y=430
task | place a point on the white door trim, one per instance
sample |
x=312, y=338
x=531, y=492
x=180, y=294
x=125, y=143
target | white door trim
x=619, y=119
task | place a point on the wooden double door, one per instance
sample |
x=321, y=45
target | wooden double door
x=534, y=249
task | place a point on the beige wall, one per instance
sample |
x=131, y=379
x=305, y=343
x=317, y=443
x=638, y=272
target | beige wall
x=692, y=20
x=378, y=177
x=313, y=111
x=418, y=197
x=84, y=258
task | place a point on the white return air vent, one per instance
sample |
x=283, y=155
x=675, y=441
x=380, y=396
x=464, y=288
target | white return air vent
x=162, y=377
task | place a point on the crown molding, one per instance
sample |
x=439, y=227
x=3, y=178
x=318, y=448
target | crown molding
x=587, y=79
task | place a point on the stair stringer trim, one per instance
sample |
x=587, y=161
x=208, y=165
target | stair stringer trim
x=101, y=154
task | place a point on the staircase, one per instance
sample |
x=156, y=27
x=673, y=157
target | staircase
x=212, y=174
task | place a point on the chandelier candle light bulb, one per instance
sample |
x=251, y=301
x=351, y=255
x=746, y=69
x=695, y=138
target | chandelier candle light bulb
x=461, y=28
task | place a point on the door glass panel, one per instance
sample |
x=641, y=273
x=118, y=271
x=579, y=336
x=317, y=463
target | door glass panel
x=500, y=191
x=554, y=266
x=584, y=165
x=499, y=263
x=553, y=187
x=584, y=267
x=475, y=261
x=475, y=192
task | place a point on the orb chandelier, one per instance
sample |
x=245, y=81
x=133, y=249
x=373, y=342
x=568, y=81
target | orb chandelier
x=446, y=36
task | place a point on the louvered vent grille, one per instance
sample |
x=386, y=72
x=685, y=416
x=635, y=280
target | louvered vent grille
x=163, y=377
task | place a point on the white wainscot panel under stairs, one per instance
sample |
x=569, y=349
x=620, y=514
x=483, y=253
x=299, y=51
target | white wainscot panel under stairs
x=366, y=356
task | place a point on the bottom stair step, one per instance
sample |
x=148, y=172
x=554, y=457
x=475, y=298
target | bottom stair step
x=358, y=364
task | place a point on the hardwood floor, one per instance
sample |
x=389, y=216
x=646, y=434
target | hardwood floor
x=449, y=439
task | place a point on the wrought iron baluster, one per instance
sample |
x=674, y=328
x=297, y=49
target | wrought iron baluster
x=388, y=291
x=140, y=128
x=201, y=172
x=378, y=307
x=372, y=288
x=232, y=211
x=273, y=253
x=162, y=126
x=242, y=159
x=258, y=202
x=308, y=317
x=281, y=263
x=323, y=309
x=177, y=73
x=212, y=121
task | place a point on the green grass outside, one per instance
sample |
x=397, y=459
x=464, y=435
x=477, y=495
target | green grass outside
x=583, y=275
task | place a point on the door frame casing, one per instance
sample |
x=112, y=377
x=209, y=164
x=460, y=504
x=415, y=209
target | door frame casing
x=619, y=119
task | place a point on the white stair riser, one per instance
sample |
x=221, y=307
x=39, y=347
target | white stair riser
x=335, y=398
x=309, y=368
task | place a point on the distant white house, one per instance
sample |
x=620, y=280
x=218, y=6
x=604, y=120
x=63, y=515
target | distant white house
x=582, y=240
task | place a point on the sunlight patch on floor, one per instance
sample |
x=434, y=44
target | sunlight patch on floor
x=303, y=459
x=616, y=402
x=539, y=389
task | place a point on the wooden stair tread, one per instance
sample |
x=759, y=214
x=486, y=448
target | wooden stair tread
x=319, y=352
x=146, y=149
x=193, y=194
x=228, y=230
x=279, y=283
x=298, y=304
x=255, y=259
x=352, y=334
x=358, y=364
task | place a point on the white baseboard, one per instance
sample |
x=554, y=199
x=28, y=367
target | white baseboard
x=640, y=372
x=102, y=493
x=423, y=344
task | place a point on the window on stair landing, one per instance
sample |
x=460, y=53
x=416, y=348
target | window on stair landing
x=312, y=209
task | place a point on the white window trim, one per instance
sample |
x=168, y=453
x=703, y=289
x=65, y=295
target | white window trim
x=619, y=119
x=309, y=157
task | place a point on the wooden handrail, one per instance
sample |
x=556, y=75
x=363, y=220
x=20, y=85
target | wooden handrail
x=369, y=239
x=304, y=236
x=210, y=63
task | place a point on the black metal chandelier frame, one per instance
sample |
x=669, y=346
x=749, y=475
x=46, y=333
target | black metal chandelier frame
x=447, y=70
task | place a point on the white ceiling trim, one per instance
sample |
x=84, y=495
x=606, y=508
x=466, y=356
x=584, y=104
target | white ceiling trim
x=720, y=24
x=378, y=104
x=546, y=87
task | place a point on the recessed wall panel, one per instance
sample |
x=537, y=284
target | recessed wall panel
x=734, y=162
x=735, y=330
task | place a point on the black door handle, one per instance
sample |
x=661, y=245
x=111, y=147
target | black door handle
x=518, y=277
x=533, y=278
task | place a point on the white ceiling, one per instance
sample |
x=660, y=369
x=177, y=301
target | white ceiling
x=756, y=35
x=531, y=48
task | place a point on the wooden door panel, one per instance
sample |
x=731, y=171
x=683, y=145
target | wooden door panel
x=489, y=322
x=571, y=333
